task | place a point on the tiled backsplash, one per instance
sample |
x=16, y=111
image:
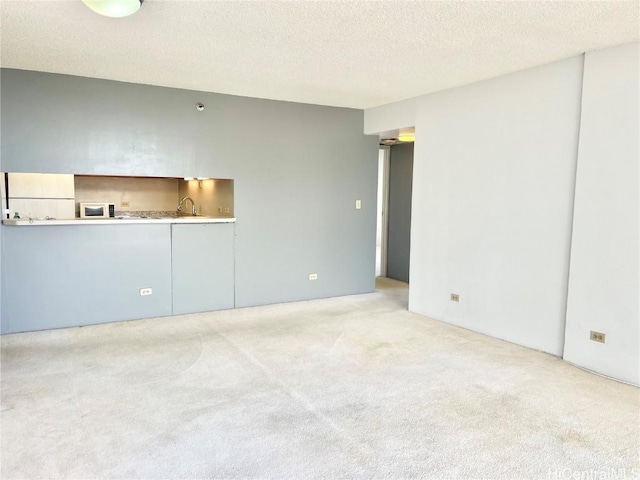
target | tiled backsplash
x=213, y=197
x=129, y=193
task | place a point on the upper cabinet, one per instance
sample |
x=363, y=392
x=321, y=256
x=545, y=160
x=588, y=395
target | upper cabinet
x=41, y=195
x=41, y=185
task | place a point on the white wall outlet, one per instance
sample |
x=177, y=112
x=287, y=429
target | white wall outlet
x=358, y=204
x=313, y=276
x=146, y=291
x=227, y=210
x=455, y=297
x=597, y=336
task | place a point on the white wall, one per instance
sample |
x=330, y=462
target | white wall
x=604, y=285
x=494, y=172
x=390, y=117
x=493, y=207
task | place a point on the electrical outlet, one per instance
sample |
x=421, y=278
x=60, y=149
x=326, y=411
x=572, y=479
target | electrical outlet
x=597, y=336
x=124, y=204
x=455, y=297
x=313, y=276
x=146, y=291
x=358, y=204
x=219, y=209
x=227, y=210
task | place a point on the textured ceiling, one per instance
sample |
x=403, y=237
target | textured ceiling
x=345, y=53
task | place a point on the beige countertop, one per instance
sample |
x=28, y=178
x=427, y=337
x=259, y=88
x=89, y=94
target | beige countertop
x=116, y=221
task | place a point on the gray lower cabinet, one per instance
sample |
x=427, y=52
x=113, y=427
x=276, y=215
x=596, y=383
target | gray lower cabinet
x=202, y=263
x=69, y=276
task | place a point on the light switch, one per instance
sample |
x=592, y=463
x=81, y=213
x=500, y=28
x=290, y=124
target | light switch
x=358, y=204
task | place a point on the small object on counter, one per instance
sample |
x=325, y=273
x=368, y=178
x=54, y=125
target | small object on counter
x=16, y=215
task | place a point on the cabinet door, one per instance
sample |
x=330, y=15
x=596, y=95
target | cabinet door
x=41, y=185
x=43, y=207
x=202, y=265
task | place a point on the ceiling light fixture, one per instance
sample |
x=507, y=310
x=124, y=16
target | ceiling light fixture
x=407, y=137
x=114, y=8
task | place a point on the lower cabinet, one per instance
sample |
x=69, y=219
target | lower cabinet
x=202, y=264
x=76, y=275
x=69, y=276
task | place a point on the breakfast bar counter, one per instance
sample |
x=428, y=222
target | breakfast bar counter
x=117, y=221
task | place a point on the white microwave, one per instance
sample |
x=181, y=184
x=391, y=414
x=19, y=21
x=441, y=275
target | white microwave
x=97, y=210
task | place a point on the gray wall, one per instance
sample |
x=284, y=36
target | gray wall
x=399, y=212
x=298, y=169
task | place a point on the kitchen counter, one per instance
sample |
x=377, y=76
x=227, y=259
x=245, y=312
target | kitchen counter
x=117, y=221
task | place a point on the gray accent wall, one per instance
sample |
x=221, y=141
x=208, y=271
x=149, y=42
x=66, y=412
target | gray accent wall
x=399, y=211
x=298, y=170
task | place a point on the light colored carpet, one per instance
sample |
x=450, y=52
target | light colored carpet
x=351, y=387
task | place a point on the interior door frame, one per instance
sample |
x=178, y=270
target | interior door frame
x=385, y=209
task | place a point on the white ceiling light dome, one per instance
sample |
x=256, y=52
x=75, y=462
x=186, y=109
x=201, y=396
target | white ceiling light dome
x=114, y=8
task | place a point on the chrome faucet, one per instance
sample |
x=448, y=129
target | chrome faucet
x=193, y=205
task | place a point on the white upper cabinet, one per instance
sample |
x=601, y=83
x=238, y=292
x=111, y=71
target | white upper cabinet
x=43, y=207
x=41, y=185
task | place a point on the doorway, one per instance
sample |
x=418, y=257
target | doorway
x=382, y=228
x=393, y=226
x=400, y=186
